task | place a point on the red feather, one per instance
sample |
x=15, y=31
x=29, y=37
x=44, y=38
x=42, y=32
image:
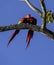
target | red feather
x=14, y=34
x=29, y=36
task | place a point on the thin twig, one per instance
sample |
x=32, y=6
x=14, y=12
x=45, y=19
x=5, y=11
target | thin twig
x=32, y=7
x=43, y=14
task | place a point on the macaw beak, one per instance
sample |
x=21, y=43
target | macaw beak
x=19, y=22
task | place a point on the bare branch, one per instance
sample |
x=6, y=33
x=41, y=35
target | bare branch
x=45, y=31
x=43, y=14
x=32, y=7
x=19, y=27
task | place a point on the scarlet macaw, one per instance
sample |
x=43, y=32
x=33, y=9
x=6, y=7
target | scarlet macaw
x=27, y=19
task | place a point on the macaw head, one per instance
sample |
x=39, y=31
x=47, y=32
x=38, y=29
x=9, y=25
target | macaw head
x=28, y=16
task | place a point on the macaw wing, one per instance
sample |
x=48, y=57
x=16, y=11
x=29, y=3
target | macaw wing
x=29, y=36
x=14, y=34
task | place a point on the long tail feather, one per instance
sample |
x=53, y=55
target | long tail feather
x=29, y=36
x=14, y=34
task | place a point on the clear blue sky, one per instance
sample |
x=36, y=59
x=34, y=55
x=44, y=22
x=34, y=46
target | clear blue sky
x=41, y=49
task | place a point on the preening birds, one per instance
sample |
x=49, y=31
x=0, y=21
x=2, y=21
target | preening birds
x=27, y=19
x=31, y=20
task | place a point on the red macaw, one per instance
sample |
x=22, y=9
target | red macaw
x=27, y=19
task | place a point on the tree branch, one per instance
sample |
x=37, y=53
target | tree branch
x=33, y=7
x=43, y=14
x=45, y=31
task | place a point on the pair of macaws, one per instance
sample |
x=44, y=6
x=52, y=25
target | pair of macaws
x=27, y=19
x=31, y=20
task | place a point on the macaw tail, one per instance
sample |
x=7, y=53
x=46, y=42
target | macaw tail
x=29, y=36
x=14, y=34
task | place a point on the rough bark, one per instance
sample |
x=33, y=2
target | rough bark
x=23, y=26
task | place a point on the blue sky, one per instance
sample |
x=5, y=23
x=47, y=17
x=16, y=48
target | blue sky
x=41, y=49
